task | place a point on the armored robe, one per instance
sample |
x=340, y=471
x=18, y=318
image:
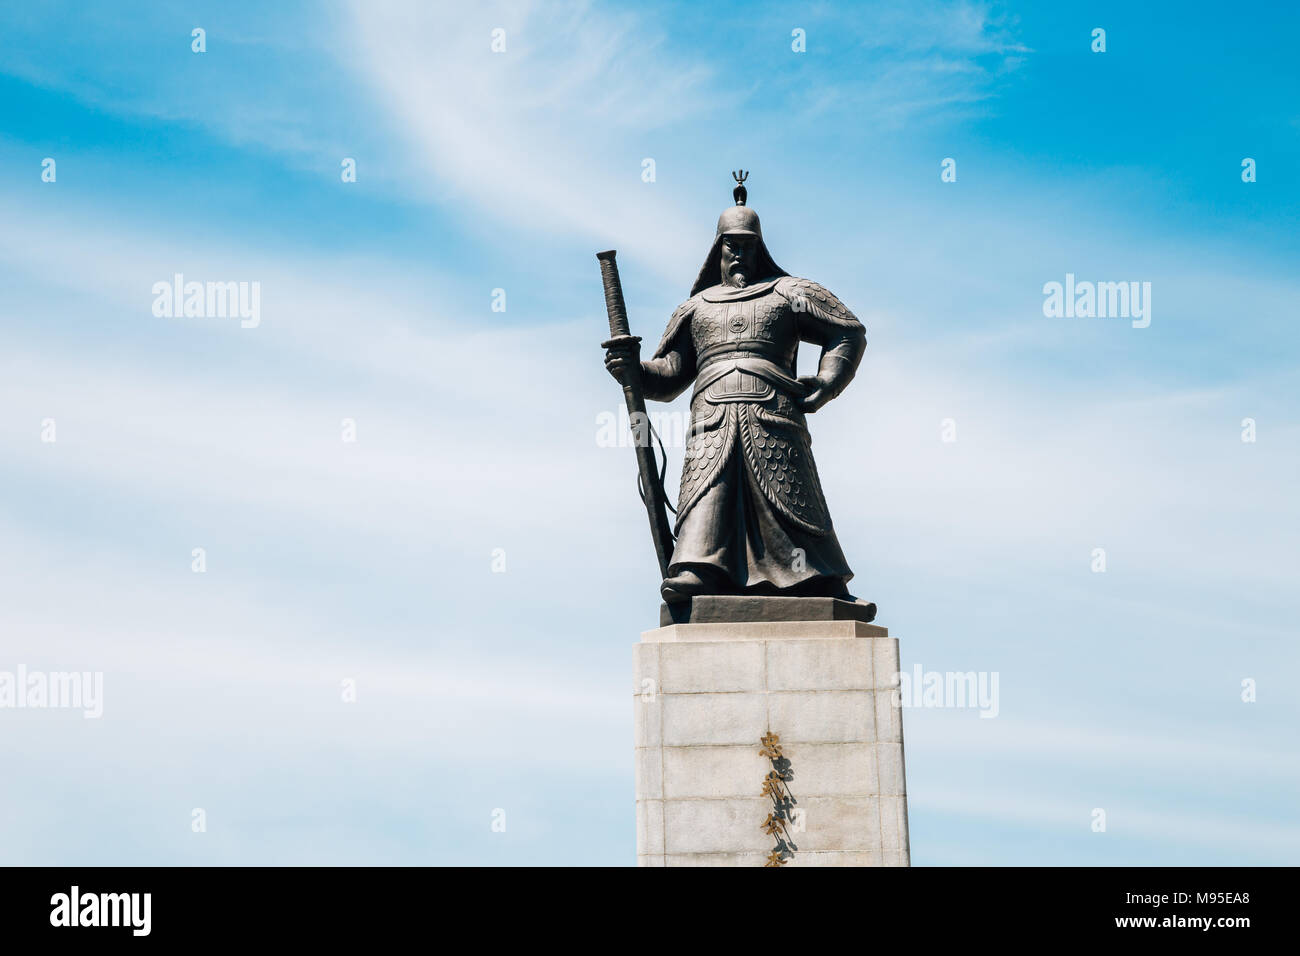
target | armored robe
x=751, y=515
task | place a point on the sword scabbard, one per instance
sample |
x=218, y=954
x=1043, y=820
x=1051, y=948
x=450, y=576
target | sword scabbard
x=655, y=498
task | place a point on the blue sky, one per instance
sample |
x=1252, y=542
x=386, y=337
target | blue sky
x=476, y=430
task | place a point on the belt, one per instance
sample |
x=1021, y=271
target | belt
x=756, y=365
x=749, y=348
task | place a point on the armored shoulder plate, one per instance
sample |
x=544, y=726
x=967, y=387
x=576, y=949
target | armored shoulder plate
x=680, y=315
x=807, y=296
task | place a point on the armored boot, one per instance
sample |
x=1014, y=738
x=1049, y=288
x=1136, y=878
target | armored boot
x=683, y=586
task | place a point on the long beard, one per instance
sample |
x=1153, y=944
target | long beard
x=735, y=275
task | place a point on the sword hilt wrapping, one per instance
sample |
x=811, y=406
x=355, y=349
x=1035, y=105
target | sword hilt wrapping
x=614, y=304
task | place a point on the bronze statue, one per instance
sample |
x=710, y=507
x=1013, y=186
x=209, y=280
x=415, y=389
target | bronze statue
x=751, y=516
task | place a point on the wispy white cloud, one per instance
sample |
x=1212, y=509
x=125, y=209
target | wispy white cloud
x=550, y=133
x=259, y=85
x=919, y=61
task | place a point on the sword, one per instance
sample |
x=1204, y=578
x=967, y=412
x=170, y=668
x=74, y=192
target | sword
x=652, y=489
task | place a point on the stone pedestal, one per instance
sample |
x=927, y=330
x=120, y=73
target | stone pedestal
x=705, y=696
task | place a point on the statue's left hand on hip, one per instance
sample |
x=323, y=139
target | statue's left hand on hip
x=816, y=395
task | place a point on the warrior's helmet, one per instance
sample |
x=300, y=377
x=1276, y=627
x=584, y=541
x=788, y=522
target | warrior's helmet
x=739, y=220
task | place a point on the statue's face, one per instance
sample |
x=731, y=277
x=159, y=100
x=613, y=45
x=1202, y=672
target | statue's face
x=738, y=260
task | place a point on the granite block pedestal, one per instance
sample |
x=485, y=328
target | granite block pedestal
x=707, y=691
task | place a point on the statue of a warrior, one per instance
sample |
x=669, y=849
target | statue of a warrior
x=751, y=516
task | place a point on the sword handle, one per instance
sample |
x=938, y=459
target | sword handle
x=614, y=304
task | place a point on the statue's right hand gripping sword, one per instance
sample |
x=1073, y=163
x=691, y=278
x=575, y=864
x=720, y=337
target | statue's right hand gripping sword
x=652, y=487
